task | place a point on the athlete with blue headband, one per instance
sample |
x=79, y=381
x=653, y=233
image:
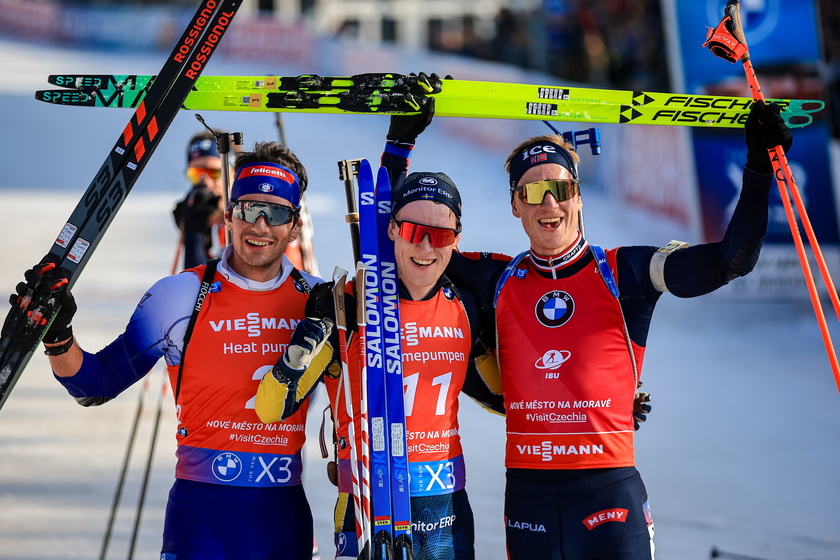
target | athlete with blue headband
x=220, y=326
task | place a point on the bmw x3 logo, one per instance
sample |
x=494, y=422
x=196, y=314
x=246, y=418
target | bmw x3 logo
x=227, y=466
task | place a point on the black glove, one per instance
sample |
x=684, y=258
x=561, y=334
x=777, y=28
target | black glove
x=405, y=129
x=640, y=408
x=55, y=281
x=765, y=129
x=309, y=337
x=320, y=304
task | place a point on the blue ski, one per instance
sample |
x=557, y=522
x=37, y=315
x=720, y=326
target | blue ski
x=392, y=350
x=380, y=469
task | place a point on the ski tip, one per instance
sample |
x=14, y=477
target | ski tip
x=382, y=179
x=338, y=274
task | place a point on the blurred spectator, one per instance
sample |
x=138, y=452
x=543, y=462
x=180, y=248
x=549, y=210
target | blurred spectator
x=609, y=43
x=199, y=214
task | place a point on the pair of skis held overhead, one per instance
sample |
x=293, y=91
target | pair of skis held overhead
x=406, y=94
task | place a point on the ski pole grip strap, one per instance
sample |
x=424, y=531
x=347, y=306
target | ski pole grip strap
x=723, y=43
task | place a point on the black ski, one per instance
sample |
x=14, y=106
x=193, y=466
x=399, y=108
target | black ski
x=27, y=322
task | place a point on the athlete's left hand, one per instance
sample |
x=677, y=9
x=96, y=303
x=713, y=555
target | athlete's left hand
x=764, y=130
x=641, y=408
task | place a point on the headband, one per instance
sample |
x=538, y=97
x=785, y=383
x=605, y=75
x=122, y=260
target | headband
x=201, y=148
x=538, y=153
x=266, y=178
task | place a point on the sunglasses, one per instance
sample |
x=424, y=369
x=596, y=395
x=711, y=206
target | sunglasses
x=414, y=233
x=274, y=214
x=562, y=189
x=194, y=173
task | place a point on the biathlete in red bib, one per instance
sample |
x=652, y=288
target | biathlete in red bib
x=572, y=323
x=237, y=491
x=439, y=336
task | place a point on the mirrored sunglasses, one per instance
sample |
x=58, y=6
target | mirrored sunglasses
x=562, y=189
x=414, y=233
x=194, y=173
x=274, y=214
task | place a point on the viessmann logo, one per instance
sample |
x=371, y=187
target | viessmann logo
x=254, y=324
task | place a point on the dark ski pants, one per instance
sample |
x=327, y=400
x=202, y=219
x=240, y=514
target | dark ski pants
x=219, y=522
x=602, y=517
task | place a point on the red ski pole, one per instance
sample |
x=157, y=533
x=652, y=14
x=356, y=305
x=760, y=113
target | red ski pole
x=727, y=41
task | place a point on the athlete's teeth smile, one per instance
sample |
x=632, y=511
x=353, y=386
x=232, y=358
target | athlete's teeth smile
x=422, y=262
x=259, y=243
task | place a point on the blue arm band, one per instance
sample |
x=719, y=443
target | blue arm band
x=397, y=151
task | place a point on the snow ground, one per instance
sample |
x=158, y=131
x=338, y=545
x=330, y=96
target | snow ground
x=742, y=450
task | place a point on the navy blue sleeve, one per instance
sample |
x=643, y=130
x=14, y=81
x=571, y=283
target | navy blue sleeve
x=699, y=269
x=396, y=159
x=110, y=371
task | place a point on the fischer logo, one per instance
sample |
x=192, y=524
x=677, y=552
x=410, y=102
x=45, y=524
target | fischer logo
x=716, y=117
x=604, y=516
x=254, y=324
x=702, y=102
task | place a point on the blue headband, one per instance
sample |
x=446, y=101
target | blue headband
x=266, y=178
x=539, y=153
x=201, y=148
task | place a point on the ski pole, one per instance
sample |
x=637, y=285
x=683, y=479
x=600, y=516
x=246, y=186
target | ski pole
x=223, y=142
x=143, y=489
x=124, y=471
x=361, y=326
x=306, y=237
x=727, y=41
x=347, y=170
x=361, y=497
